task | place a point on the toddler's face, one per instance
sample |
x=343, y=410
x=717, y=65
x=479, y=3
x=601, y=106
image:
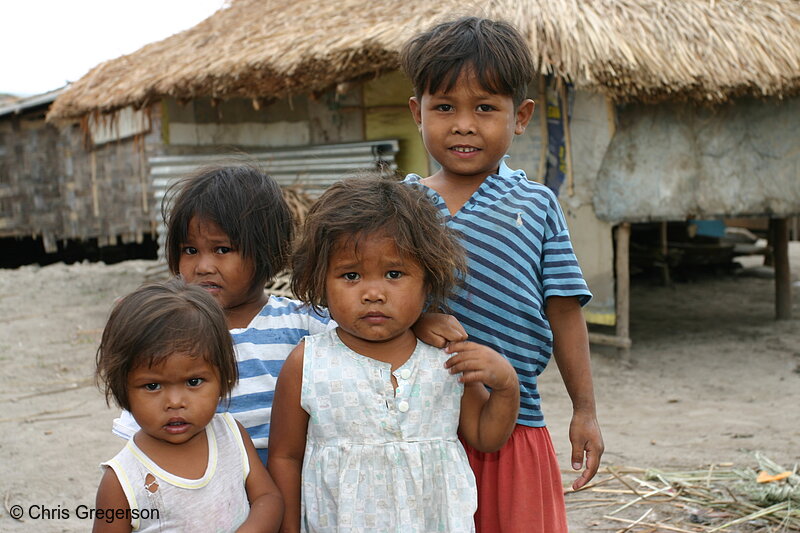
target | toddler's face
x=374, y=293
x=209, y=259
x=175, y=400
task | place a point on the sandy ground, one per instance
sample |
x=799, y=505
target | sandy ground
x=715, y=378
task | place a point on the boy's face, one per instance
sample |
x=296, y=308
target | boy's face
x=468, y=130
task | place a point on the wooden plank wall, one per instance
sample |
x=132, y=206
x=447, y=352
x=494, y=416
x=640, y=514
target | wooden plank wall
x=53, y=187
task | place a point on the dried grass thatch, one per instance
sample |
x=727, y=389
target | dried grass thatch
x=646, y=50
x=718, y=499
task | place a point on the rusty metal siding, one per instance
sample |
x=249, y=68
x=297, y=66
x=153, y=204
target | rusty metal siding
x=313, y=168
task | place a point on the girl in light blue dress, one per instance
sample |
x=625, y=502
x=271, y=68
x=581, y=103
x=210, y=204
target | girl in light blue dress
x=365, y=421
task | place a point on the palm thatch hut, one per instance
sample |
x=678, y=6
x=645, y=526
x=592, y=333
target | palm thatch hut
x=649, y=109
x=54, y=194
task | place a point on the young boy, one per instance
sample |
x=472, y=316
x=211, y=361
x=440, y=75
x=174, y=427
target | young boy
x=524, y=290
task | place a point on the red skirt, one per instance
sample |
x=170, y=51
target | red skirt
x=519, y=486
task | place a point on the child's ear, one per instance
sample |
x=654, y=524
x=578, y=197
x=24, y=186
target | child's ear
x=416, y=110
x=524, y=115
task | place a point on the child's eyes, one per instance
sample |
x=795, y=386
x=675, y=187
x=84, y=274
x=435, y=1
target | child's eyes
x=485, y=108
x=355, y=276
x=191, y=250
x=444, y=107
x=192, y=382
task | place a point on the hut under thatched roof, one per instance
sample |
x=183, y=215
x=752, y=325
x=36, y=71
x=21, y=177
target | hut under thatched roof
x=627, y=79
x=55, y=194
x=643, y=50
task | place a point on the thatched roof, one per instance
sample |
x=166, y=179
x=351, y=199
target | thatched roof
x=643, y=50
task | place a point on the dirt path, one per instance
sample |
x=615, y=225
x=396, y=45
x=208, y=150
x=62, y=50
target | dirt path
x=715, y=379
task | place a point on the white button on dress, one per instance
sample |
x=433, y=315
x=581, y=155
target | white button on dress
x=375, y=448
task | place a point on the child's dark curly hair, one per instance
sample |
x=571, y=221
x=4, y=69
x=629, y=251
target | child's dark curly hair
x=245, y=203
x=367, y=204
x=494, y=50
x=158, y=320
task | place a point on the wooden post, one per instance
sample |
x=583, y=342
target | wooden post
x=623, y=291
x=95, y=194
x=665, y=254
x=622, y=337
x=780, y=259
x=567, y=137
x=542, y=172
x=769, y=253
x=144, y=177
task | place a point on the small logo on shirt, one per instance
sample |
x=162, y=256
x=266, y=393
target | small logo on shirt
x=519, y=219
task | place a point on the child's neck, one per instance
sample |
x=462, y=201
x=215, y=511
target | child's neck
x=454, y=190
x=188, y=460
x=394, y=351
x=240, y=316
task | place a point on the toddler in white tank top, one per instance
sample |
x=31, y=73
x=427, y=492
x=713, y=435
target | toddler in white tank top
x=166, y=356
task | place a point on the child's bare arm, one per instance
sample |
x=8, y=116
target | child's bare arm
x=266, y=503
x=437, y=329
x=287, y=440
x=110, y=496
x=571, y=352
x=487, y=419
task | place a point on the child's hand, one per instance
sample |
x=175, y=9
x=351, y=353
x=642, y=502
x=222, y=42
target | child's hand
x=487, y=419
x=437, y=329
x=584, y=434
x=478, y=363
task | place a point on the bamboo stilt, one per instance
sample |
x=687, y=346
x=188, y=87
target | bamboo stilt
x=567, y=138
x=665, y=254
x=783, y=281
x=622, y=269
x=545, y=139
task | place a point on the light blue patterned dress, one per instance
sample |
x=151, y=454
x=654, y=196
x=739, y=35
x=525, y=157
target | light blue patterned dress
x=377, y=459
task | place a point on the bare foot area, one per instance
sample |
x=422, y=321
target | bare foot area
x=714, y=379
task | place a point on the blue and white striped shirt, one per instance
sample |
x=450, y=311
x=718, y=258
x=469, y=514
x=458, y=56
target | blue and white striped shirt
x=261, y=349
x=519, y=254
